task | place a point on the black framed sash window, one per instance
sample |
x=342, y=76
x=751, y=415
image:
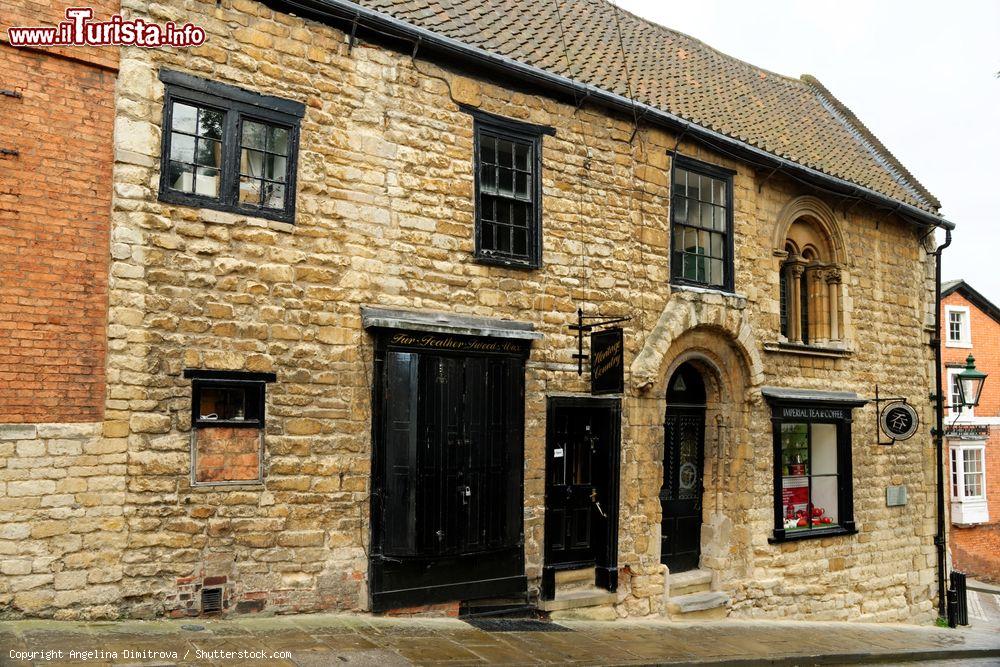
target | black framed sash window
x=227, y=148
x=701, y=222
x=813, y=473
x=508, y=168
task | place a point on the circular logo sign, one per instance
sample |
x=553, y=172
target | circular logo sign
x=899, y=420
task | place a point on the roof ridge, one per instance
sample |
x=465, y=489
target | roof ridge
x=872, y=143
x=740, y=61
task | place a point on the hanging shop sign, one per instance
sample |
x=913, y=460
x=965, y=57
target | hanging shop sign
x=607, y=361
x=607, y=352
x=899, y=420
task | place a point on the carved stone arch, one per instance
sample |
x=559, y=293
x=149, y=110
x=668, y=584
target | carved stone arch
x=683, y=314
x=817, y=212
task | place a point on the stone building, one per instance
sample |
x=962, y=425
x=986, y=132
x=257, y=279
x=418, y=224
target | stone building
x=970, y=324
x=348, y=246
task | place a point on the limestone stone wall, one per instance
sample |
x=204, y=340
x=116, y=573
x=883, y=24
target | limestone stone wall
x=384, y=217
x=62, y=525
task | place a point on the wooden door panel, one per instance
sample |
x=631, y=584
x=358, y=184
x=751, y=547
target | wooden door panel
x=681, y=493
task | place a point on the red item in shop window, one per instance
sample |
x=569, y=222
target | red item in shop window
x=801, y=523
x=826, y=519
x=790, y=511
x=817, y=511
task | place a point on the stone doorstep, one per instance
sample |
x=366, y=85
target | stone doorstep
x=692, y=581
x=588, y=597
x=696, y=602
x=572, y=576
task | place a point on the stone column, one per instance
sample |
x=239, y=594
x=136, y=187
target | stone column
x=833, y=279
x=795, y=303
x=818, y=309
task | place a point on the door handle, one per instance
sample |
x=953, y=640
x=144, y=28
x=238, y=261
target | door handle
x=600, y=511
x=465, y=492
x=597, y=504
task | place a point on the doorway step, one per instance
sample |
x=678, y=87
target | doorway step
x=691, y=597
x=506, y=607
x=578, y=598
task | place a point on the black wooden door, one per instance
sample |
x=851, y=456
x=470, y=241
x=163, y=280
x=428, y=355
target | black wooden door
x=581, y=489
x=680, y=495
x=571, y=497
x=449, y=494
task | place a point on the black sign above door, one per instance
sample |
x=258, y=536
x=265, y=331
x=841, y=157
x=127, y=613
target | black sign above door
x=607, y=361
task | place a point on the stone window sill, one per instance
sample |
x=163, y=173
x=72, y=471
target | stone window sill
x=681, y=287
x=779, y=537
x=808, y=350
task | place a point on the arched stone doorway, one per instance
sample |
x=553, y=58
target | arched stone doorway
x=683, y=469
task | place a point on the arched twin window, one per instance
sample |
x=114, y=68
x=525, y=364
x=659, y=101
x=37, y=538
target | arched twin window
x=811, y=309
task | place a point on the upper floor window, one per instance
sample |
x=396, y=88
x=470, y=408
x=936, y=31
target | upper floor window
x=957, y=322
x=701, y=222
x=508, y=164
x=810, y=281
x=227, y=148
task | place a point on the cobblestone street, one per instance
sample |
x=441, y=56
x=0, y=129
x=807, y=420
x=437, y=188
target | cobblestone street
x=316, y=640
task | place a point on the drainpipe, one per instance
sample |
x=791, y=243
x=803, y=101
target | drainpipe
x=939, y=538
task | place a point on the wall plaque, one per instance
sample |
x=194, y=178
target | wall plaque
x=895, y=496
x=607, y=361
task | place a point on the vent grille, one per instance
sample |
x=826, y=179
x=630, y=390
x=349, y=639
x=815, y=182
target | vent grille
x=211, y=600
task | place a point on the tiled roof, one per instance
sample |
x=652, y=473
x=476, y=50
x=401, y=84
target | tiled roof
x=796, y=119
x=973, y=296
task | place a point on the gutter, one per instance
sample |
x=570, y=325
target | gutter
x=344, y=10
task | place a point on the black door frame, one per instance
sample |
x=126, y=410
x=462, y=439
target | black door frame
x=606, y=562
x=507, y=575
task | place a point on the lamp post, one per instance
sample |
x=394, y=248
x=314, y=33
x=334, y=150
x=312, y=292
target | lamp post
x=970, y=385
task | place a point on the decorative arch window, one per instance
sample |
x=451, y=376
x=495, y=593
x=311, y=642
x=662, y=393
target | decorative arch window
x=811, y=306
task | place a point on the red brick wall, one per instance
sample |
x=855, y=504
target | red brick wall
x=976, y=550
x=985, y=348
x=55, y=203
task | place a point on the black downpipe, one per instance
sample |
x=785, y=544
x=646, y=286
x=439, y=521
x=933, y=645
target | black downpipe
x=939, y=539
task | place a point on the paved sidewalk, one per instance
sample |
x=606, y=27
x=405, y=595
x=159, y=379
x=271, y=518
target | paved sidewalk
x=321, y=640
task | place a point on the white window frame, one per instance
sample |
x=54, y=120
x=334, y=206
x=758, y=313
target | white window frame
x=965, y=330
x=963, y=414
x=966, y=510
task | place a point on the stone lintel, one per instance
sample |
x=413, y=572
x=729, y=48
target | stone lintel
x=447, y=323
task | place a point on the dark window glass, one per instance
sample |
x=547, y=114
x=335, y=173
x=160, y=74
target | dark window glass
x=700, y=220
x=507, y=218
x=263, y=165
x=784, y=294
x=226, y=404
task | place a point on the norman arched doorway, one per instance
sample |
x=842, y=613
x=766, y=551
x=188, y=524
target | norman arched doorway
x=683, y=470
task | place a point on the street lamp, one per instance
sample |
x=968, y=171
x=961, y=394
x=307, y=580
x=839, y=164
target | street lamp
x=970, y=384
